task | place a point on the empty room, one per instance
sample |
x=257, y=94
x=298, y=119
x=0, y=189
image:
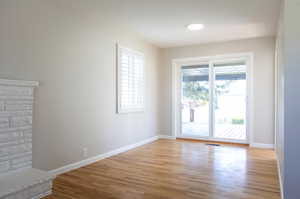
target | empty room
x=141, y=99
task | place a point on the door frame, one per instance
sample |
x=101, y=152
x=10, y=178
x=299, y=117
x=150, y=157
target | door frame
x=176, y=93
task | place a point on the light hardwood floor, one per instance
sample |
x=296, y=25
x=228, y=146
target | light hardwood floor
x=175, y=169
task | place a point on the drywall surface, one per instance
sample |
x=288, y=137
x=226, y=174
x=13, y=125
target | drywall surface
x=279, y=98
x=291, y=49
x=70, y=48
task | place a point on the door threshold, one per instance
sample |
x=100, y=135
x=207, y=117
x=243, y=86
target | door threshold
x=212, y=141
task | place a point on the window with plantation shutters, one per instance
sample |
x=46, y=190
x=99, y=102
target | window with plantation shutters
x=130, y=80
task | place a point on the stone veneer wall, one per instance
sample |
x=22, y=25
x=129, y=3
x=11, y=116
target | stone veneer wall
x=16, y=103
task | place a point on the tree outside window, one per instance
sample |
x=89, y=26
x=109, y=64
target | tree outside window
x=196, y=93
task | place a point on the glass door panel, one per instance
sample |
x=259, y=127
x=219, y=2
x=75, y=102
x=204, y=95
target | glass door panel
x=230, y=92
x=195, y=111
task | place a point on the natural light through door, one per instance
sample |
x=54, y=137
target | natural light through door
x=230, y=101
x=214, y=100
x=195, y=100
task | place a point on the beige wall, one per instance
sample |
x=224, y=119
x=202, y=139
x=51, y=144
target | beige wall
x=69, y=46
x=263, y=80
x=279, y=97
x=289, y=110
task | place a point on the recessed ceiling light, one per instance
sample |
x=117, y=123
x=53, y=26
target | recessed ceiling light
x=194, y=27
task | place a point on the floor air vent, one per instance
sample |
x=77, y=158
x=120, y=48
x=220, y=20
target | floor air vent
x=213, y=144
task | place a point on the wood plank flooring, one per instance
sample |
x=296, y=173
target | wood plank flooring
x=175, y=169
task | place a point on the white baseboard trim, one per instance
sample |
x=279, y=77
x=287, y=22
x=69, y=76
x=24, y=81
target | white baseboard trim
x=91, y=160
x=166, y=137
x=261, y=145
x=42, y=195
x=280, y=179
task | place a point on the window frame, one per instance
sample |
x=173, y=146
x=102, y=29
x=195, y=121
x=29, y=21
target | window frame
x=121, y=110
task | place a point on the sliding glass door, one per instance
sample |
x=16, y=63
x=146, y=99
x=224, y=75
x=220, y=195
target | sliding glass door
x=195, y=100
x=213, y=100
x=230, y=101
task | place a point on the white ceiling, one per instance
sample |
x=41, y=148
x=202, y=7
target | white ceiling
x=163, y=22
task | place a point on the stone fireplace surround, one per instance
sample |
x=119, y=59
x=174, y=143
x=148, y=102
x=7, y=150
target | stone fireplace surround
x=18, y=180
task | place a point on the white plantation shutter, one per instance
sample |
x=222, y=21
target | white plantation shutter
x=130, y=80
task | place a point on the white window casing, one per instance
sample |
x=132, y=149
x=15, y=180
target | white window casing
x=131, y=80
